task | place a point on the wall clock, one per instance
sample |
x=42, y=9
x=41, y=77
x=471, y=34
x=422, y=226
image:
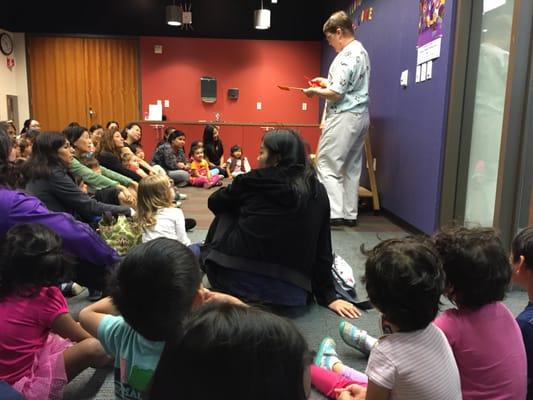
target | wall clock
x=6, y=44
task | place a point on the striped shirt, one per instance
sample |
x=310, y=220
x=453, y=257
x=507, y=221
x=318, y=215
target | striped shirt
x=415, y=365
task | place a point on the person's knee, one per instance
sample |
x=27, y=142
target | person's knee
x=95, y=353
x=184, y=175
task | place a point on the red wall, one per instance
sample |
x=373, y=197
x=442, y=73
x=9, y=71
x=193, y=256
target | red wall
x=253, y=66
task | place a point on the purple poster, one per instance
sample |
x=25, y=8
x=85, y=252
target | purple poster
x=431, y=14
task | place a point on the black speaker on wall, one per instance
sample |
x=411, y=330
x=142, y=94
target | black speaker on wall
x=208, y=89
x=233, y=93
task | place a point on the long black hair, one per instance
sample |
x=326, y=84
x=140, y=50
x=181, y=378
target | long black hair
x=224, y=341
x=26, y=125
x=211, y=146
x=32, y=258
x=44, y=156
x=288, y=149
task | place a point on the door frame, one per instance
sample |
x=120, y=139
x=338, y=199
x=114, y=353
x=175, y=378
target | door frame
x=460, y=114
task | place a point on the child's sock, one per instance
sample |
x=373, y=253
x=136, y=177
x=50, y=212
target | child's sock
x=354, y=375
x=326, y=381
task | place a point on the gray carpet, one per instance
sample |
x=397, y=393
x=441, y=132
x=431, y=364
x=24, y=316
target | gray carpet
x=314, y=322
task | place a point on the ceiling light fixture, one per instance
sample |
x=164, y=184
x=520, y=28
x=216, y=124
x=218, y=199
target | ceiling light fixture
x=262, y=18
x=174, y=14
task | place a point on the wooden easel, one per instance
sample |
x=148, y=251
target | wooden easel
x=373, y=192
x=364, y=192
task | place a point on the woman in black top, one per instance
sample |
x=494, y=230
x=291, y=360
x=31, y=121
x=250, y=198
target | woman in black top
x=271, y=241
x=109, y=154
x=214, y=149
x=47, y=177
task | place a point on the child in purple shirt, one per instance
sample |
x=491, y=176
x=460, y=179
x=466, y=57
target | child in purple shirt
x=482, y=332
x=522, y=263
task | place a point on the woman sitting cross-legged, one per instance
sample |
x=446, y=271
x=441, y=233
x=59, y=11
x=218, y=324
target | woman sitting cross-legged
x=47, y=177
x=271, y=241
x=109, y=152
x=107, y=185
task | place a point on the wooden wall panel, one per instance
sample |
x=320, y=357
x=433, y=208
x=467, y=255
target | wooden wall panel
x=112, y=79
x=58, y=81
x=70, y=76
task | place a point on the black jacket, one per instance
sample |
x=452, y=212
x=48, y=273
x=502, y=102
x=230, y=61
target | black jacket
x=214, y=152
x=271, y=236
x=110, y=161
x=60, y=193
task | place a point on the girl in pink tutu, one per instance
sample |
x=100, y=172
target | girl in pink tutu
x=42, y=347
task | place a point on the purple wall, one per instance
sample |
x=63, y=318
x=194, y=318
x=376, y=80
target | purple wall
x=408, y=126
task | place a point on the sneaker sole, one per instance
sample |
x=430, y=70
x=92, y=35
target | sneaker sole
x=320, y=353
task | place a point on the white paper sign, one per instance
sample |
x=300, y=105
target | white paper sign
x=428, y=51
x=423, y=72
x=429, y=70
x=417, y=74
x=404, y=78
x=155, y=112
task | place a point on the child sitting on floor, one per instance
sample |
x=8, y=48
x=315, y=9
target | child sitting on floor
x=130, y=162
x=482, y=332
x=266, y=352
x=139, y=152
x=200, y=174
x=413, y=360
x=155, y=287
x=157, y=215
x=42, y=347
x=237, y=164
x=522, y=262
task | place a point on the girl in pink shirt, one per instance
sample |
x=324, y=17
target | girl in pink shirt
x=484, y=336
x=42, y=347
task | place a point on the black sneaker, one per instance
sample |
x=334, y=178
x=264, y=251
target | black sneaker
x=336, y=222
x=189, y=223
x=350, y=222
x=72, y=289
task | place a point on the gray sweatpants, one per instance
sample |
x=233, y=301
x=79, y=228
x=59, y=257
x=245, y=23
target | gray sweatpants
x=339, y=161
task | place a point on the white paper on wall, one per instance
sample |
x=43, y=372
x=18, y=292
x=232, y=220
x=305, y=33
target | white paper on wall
x=423, y=69
x=155, y=112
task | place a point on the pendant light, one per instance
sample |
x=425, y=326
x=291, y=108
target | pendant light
x=262, y=18
x=173, y=13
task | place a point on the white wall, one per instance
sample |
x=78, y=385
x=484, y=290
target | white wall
x=14, y=81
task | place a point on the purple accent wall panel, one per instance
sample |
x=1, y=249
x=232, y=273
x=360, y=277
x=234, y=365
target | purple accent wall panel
x=408, y=126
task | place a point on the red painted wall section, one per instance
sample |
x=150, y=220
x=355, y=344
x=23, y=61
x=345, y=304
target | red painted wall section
x=255, y=67
x=249, y=137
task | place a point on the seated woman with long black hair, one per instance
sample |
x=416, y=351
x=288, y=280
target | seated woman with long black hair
x=46, y=173
x=271, y=241
x=214, y=149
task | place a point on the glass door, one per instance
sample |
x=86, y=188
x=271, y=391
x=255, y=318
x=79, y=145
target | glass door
x=489, y=86
x=488, y=163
